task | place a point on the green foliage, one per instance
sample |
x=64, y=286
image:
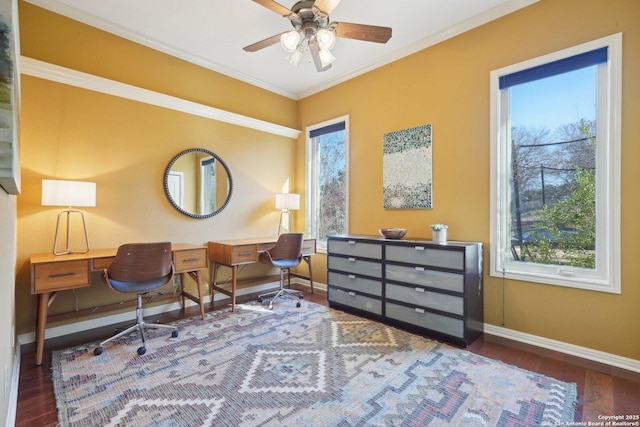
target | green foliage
x=571, y=224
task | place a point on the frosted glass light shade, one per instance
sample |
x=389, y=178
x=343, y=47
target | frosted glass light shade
x=68, y=193
x=288, y=201
x=326, y=38
x=290, y=40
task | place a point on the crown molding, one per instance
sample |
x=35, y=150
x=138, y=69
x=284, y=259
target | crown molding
x=44, y=70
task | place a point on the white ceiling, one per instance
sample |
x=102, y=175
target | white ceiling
x=212, y=33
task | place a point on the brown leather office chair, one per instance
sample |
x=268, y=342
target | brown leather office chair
x=139, y=268
x=285, y=254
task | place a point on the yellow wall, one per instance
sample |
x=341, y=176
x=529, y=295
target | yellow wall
x=447, y=85
x=124, y=146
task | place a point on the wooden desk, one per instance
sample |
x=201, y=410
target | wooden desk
x=51, y=273
x=232, y=253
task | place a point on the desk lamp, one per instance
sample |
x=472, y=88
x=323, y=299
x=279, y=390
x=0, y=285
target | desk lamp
x=286, y=202
x=68, y=193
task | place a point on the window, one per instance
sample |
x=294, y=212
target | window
x=555, y=181
x=207, y=185
x=327, y=179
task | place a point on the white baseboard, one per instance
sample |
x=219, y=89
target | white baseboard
x=562, y=347
x=84, y=325
x=566, y=348
x=13, y=394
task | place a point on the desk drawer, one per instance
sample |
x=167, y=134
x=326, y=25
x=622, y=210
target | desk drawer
x=57, y=276
x=102, y=263
x=309, y=247
x=244, y=254
x=191, y=259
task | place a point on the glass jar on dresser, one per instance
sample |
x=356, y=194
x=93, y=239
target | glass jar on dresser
x=430, y=288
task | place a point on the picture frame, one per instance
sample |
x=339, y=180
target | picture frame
x=407, y=169
x=9, y=97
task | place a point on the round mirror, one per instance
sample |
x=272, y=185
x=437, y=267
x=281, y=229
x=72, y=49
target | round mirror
x=198, y=183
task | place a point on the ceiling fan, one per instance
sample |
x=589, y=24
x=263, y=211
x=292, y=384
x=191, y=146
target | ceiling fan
x=310, y=20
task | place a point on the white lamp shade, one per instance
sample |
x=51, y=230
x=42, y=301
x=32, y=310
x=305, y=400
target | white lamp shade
x=68, y=193
x=287, y=201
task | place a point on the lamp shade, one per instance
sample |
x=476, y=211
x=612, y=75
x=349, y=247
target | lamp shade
x=287, y=201
x=68, y=193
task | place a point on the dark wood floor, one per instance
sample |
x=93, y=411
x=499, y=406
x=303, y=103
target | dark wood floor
x=602, y=390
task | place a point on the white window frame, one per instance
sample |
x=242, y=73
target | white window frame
x=311, y=201
x=606, y=276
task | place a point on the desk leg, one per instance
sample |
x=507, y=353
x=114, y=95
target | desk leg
x=234, y=275
x=214, y=279
x=198, y=279
x=43, y=310
x=183, y=286
x=307, y=259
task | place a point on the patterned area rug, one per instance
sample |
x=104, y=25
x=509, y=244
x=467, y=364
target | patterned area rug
x=309, y=366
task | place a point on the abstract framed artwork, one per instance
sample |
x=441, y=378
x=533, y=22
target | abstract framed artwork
x=407, y=173
x=9, y=97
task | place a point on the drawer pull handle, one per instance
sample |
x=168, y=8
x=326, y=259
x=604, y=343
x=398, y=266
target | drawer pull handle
x=419, y=310
x=352, y=276
x=352, y=259
x=191, y=259
x=419, y=248
x=419, y=268
x=244, y=253
x=62, y=275
x=352, y=242
x=420, y=290
x=353, y=294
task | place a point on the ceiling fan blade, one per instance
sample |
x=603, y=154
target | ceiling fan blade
x=274, y=6
x=315, y=54
x=326, y=6
x=263, y=43
x=369, y=33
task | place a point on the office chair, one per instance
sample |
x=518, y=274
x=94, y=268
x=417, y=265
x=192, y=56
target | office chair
x=139, y=268
x=285, y=254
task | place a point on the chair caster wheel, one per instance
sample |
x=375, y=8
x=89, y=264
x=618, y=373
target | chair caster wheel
x=298, y=304
x=270, y=306
x=301, y=296
x=97, y=351
x=174, y=334
x=142, y=350
x=260, y=299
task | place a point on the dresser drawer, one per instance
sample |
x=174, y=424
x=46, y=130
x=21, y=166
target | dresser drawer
x=421, y=276
x=420, y=296
x=190, y=259
x=355, y=283
x=355, y=248
x=353, y=299
x=423, y=255
x=425, y=319
x=355, y=266
x=57, y=276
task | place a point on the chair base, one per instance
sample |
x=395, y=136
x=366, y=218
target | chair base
x=139, y=326
x=282, y=292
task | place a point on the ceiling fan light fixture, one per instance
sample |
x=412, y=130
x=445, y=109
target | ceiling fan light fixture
x=290, y=41
x=326, y=38
x=326, y=57
x=294, y=57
